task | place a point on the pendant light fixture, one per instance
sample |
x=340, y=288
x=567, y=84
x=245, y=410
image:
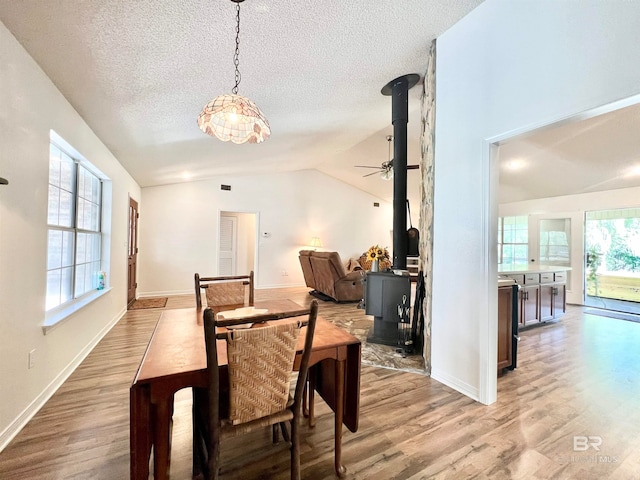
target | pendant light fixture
x=232, y=116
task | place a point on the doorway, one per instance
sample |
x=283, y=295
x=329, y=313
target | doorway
x=132, y=261
x=612, y=260
x=237, y=243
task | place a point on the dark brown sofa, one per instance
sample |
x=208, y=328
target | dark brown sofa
x=325, y=273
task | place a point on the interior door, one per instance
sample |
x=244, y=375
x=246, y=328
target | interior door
x=227, y=255
x=132, y=281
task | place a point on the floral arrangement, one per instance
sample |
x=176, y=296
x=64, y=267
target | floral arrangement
x=375, y=252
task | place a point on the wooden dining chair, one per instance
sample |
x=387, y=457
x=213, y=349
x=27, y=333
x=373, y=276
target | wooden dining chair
x=260, y=365
x=229, y=290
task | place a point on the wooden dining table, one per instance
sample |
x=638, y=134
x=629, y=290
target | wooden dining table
x=175, y=358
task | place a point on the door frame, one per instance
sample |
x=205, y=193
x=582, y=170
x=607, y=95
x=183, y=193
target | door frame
x=132, y=250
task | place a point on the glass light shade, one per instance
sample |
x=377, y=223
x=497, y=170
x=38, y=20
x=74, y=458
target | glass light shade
x=387, y=174
x=315, y=242
x=235, y=118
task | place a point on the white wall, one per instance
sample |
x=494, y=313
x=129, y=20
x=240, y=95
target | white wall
x=506, y=67
x=179, y=226
x=30, y=106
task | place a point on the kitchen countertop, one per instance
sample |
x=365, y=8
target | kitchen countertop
x=505, y=281
x=505, y=269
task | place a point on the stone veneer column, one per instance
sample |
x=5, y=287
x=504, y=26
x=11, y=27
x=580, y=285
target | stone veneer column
x=427, y=143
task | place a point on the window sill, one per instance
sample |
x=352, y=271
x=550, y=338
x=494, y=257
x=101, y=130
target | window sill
x=58, y=315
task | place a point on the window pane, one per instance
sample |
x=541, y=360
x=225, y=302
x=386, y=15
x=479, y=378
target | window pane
x=521, y=236
x=96, y=190
x=67, y=248
x=93, y=248
x=66, y=284
x=53, y=288
x=54, y=205
x=54, y=249
x=509, y=236
x=65, y=215
x=81, y=250
x=67, y=167
x=81, y=273
x=522, y=221
x=54, y=165
x=520, y=254
x=507, y=253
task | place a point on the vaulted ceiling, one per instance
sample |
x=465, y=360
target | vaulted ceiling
x=139, y=72
x=597, y=154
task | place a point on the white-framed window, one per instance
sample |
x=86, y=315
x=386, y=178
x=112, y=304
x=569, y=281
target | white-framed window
x=74, y=226
x=513, y=240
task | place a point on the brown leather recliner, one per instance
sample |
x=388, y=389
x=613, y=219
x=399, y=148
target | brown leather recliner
x=325, y=273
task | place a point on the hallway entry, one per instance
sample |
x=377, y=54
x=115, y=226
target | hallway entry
x=237, y=243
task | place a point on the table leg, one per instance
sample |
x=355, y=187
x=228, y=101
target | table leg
x=340, y=380
x=162, y=435
x=140, y=433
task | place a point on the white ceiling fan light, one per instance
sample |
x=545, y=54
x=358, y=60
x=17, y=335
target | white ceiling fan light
x=386, y=169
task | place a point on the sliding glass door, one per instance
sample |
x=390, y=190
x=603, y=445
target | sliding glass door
x=612, y=259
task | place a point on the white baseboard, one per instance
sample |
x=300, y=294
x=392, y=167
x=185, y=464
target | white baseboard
x=189, y=292
x=27, y=414
x=172, y=293
x=280, y=285
x=456, y=384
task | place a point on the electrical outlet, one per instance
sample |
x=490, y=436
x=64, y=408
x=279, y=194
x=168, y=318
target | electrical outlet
x=284, y=273
x=32, y=358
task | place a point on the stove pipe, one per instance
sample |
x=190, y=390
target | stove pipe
x=398, y=90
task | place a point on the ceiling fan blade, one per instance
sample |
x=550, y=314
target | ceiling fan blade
x=366, y=166
x=369, y=174
x=413, y=167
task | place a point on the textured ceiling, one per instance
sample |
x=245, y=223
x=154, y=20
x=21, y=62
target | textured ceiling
x=139, y=72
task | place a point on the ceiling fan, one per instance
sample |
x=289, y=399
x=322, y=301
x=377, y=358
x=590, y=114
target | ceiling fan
x=386, y=169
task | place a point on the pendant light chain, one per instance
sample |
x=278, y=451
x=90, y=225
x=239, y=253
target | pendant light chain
x=232, y=117
x=236, y=55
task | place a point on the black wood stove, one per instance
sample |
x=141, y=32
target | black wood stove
x=387, y=295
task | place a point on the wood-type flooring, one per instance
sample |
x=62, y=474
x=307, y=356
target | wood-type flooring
x=571, y=410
